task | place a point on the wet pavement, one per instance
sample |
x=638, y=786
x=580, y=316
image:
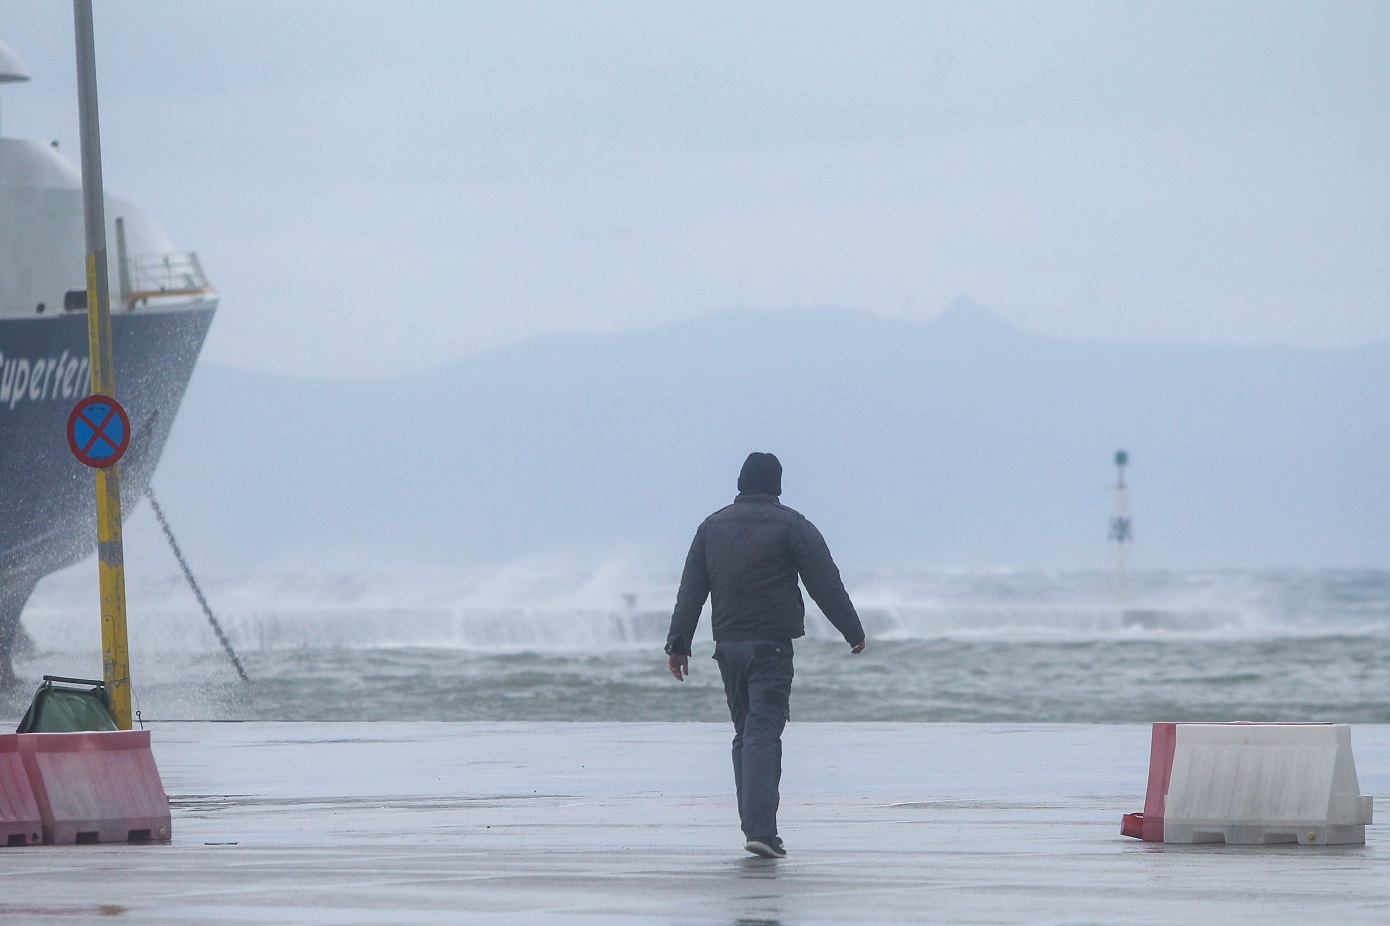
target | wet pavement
x=570, y=823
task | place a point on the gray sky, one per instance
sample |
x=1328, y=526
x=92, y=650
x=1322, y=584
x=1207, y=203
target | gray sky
x=380, y=187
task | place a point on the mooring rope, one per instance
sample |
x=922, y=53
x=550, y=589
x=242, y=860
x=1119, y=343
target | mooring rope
x=193, y=583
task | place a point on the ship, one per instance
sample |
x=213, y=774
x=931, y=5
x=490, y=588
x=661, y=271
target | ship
x=161, y=308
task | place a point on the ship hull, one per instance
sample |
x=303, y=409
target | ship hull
x=47, y=498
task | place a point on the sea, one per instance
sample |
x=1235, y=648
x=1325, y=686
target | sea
x=542, y=643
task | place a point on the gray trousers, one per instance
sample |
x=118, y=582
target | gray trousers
x=758, y=685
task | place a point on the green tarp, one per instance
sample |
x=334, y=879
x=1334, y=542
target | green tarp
x=60, y=708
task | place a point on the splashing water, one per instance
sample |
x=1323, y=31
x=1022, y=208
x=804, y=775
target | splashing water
x=548, y=644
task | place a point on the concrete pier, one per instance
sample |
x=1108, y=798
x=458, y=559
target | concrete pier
x=569, y=823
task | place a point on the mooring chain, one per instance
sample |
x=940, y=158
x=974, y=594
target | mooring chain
x=193, y=583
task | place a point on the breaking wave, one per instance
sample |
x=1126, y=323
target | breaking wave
x=547, y=644
x=534, y=610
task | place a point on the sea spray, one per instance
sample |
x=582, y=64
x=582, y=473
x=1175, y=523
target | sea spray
x=1004, y=645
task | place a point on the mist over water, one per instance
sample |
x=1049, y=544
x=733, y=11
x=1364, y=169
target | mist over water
x=546, y=643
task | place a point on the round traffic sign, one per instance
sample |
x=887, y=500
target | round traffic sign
x=98, y=431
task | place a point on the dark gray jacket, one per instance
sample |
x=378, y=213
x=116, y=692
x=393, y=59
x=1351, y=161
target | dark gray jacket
x=747, y=558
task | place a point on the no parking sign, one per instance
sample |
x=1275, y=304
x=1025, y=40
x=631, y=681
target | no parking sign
x=98, y=431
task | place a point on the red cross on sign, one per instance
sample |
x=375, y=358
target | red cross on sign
x=98, y=431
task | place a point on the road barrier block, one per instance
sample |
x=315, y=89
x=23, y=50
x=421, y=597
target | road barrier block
x=96, y=787
x=1252, y=784
x=20, y=824
x=1148, y=825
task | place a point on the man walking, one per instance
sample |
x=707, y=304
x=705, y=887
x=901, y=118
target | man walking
x=746, y=558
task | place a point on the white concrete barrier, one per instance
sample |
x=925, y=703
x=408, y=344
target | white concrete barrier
x=1263, y=783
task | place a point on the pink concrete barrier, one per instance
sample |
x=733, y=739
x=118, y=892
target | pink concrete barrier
x=96, y=787
x=20, y=824
x=1148, y=825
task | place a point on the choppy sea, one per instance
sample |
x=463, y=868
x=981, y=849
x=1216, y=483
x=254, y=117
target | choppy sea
x=545, y=644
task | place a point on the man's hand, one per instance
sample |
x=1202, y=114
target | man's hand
x=859, y=647
x=680, y=666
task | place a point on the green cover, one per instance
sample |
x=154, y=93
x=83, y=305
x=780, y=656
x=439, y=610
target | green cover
x=58, y=709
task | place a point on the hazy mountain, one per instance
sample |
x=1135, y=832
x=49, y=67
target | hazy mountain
x=962, y=441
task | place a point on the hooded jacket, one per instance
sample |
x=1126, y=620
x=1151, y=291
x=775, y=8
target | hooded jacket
x=747, y=557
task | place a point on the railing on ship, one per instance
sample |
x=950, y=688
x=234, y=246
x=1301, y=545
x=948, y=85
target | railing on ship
x=157, y=275
x=143, y=277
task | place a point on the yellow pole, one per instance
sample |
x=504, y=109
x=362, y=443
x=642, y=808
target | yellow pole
x=115, y=657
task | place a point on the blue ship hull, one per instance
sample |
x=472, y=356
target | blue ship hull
x=47, y=498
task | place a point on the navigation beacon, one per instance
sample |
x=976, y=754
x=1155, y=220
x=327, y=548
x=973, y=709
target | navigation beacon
x=1121, y=533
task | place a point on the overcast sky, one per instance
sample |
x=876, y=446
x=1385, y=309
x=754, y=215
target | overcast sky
x=381, y=187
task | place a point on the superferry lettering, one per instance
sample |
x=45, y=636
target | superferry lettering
x=42, y=378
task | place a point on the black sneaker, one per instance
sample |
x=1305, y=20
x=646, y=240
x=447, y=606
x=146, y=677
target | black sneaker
x=765, y=847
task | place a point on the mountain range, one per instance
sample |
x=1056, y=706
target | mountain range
x=959, y=442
